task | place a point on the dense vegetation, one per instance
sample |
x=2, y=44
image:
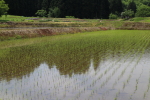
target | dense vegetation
x=78, y=8
x=3, y=8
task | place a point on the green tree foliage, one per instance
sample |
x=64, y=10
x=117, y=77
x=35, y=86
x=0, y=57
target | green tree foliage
x=116, y=6
x=76, y=8
x=45, y=4
x=56, y=3
x=143, y=11
x=3, y=8
x=113, y=16
x=105, y=11
x=41, y=13
x=23, y=7
x=132, y=6
x=137, y=2
x=146, y=2
x=127, y=14
x=54, y=12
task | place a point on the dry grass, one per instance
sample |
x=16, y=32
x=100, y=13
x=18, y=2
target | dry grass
x=29, y=33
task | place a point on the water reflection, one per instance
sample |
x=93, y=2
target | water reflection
x=46, y=72
x=47, y=82
x=23, y=60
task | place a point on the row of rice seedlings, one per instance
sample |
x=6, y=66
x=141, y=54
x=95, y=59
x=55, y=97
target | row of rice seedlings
x=125, y=69
x=132, y=59
x=124, y=84
x=129, y=75
x=148, y=87
x=108, y=78
x=82, y=91
x=118, y=61
x=143, y=49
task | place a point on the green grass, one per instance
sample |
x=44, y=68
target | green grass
x=71, y=22
x=14, y=18
x=141, y=19
x=27, y=19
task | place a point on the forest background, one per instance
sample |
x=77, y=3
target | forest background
x=101, y=9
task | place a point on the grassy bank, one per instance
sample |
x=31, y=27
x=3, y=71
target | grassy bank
x=30, y=33
x=66, y=25
x=20, y=21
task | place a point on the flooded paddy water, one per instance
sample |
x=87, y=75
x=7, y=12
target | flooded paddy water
x=103, y=65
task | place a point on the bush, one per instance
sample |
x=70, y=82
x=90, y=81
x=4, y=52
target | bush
x=18, y=37
x=54, y=12
x=30, y=20
x=69, y=16
x=3, y=8
x=41, y=13
x=143, y=11
x=127, y=14
x=113, y=16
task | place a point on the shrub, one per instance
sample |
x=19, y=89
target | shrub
x=143, y=11
x=30, y=20
x=41, y=13
x=54, y=12
x=3, y=8
x=69, y=16
x=18, y=37
x=127, y=14
x=113, y=16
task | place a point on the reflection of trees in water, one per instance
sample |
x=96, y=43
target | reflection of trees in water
x=18, y=62
x=22, y=61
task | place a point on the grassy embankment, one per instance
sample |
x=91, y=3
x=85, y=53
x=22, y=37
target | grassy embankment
x=72, y=25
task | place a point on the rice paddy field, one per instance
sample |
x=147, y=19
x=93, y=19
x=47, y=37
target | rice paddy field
x=102, y=65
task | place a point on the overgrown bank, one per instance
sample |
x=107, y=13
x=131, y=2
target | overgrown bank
x=30, y=33
x=29, y=29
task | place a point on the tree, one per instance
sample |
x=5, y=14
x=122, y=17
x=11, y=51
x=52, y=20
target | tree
x=113, y=16
x=55, y=8
x=54, y=12
x=132, y=6
x=45, y=5
x=116, y=6
x=104, y=9
x=3, y=8
x=127, y=14
x=41, y=13
x=143, y=11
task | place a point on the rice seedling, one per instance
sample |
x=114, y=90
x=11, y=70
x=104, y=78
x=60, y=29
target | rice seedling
x=97, y=65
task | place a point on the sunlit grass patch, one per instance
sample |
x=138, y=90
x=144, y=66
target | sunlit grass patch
x=5, y=18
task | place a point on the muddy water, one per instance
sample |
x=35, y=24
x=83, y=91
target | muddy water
x=29, y=73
